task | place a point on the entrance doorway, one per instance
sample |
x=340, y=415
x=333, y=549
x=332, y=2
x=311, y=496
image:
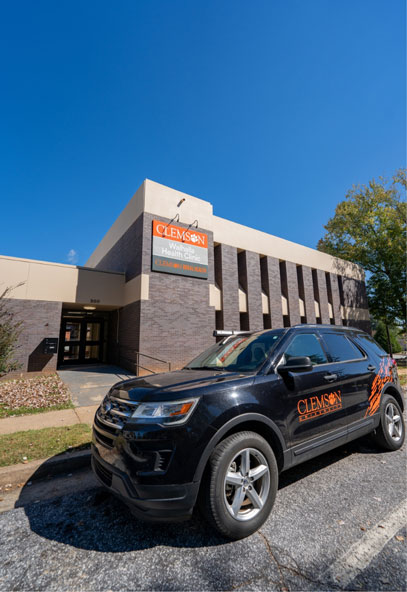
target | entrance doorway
x=82, y=341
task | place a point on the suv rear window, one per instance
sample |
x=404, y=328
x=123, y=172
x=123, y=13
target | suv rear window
x=372, y=345
x=340, y=348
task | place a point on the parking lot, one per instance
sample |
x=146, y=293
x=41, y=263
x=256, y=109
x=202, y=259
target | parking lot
x=338, y=523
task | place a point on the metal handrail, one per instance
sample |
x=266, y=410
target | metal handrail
x=137, y=361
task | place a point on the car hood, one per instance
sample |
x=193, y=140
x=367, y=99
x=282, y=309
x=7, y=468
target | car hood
x=164, y=386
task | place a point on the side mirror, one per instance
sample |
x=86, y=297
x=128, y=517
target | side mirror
x=296, y=364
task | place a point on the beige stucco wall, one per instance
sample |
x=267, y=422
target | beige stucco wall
x=159, y=200
x=40, y=280
x=249, y=239
x=163, y=201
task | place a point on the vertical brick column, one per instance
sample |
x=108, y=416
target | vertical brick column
x=336, y=301
x=354, y=292
x=229, y=283
x=254, y=304
x=323, y=297
x=293, y=294
x=309, y=300
x=363, y=302
x=274, y=290
x=349, y=292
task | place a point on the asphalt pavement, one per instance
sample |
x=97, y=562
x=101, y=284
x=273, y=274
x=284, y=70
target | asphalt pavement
x=338, y=523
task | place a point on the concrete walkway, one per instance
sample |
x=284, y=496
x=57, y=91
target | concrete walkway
x=89, y=384
x=48, y=419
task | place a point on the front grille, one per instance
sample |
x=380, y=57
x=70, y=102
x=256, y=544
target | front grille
x=105, y=440
x=114, y=412
x=104, y=427
x=104, y=474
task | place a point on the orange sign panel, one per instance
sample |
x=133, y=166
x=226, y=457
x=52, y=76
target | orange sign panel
x=182, y=251
x=182, y=235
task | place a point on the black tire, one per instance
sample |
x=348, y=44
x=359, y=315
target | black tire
x=232, y=456
x=387, y=436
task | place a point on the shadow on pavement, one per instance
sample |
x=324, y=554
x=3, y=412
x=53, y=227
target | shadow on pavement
x=95, y=520
x=361, y=446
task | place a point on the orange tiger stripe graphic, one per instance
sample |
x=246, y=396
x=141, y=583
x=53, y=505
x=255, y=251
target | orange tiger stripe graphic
x=379, y=381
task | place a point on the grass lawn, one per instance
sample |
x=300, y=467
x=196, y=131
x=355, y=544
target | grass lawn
x=34, y=444
x=7, y=412
x=21, y=396
x=402, y=372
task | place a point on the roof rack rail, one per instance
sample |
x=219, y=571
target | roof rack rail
x=224, y=333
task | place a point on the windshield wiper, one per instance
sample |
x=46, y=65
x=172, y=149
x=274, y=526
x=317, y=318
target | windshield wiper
x=205, y=368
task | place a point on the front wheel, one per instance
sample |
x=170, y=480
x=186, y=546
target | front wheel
x=391, y=431
x=241, y=485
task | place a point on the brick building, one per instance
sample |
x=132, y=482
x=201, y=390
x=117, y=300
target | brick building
x=166, y=274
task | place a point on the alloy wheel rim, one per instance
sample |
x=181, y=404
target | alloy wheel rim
x=393, y=422
x=246, y=484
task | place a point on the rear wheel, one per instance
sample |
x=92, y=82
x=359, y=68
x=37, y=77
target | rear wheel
x=241, y=485
x=391, y=432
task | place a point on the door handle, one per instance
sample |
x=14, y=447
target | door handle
x=371, y=368
x=330, y=377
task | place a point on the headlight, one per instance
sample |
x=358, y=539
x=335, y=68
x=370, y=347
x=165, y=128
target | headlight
x=166, y=413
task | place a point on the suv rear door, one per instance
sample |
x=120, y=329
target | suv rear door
x=354, y=371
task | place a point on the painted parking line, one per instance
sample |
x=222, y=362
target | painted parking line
x=359, y=556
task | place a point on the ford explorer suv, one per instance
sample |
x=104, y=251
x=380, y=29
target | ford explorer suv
x=217, y=433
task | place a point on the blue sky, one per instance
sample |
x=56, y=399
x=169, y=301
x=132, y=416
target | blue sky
x=271, y=110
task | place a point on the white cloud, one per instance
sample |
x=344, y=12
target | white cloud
x=72, y=256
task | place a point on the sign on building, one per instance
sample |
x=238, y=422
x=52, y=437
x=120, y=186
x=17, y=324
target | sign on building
x=180, y=251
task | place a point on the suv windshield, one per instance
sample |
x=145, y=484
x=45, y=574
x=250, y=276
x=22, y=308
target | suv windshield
x=240, y=353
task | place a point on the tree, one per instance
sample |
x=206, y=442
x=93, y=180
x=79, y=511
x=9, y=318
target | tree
x=10, y=330
x=382, y=337
x=369, y=228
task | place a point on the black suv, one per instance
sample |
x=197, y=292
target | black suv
x=219, y=431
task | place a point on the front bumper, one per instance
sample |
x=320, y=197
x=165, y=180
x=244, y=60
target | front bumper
x=148, y=502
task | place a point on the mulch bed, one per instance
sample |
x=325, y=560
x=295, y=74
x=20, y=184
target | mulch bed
x=36, y=393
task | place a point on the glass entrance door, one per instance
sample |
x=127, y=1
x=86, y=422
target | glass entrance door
x=82, y=341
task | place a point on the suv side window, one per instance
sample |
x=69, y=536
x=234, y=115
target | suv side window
x=306, y=344
x=372, y=345
x=340, y=348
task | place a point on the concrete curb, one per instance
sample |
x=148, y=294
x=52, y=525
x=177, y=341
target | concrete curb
x=38, y=469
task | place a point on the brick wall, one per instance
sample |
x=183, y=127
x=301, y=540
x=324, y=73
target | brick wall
x=252, y=284
x=228, y=281
x=293, y=294
x=354, y=296
x=309, y=300
x=40, y=319
x=271, y=271
x=125, y=255
x=354, y=293
x=336, y=302
x=322, y=296
x=176, y=323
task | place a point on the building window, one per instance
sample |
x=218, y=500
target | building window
x=244, y=321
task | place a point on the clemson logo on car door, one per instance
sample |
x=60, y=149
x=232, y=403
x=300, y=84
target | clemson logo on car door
x=319, y=405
